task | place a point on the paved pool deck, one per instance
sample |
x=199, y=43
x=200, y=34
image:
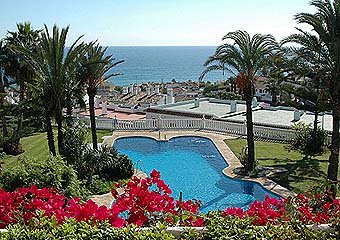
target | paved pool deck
x=217, y=139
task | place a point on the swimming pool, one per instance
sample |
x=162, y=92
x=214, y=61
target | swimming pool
x=192, y=165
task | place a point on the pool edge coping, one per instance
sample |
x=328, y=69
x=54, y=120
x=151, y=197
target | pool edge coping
x=218, y=140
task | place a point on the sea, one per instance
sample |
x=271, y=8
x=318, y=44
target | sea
x=161, y=64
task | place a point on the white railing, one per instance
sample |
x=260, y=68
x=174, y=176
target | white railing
x=234, y=128
x=224, y=127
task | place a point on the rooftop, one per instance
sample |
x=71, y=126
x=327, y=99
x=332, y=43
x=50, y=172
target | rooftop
x=206, y=106
x=112, y=114
x=283, y=116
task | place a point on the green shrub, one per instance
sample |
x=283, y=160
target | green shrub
x=10, y=142
x=244, y=158
x=103, y=162
x=235, y=228
x=45, y=228
x=106, y=163
x=117, y=168
x=43, y=173
x=74, y=141
x=308, y=141
x=217, y=228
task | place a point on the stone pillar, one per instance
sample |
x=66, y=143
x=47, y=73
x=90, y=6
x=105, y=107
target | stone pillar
x=148, y=90
x=104, y=108
x=96, y=102
x=157, y=89
x=170, y=95
x=297, y=115
x=196, y=102
x=233, y=106
x=254, y=103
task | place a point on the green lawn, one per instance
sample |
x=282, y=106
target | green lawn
x=303, y=172
x=35, y=146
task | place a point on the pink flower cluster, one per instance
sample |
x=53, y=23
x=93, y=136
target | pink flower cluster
x=308, y=208
x=149, y=199
x=24, y=204
x=144, y=202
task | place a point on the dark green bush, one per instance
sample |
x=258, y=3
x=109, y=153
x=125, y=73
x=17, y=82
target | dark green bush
x=103, y=162
x=106, y=163
x=308, y=141
x=43, y=173
x=74, y=142
x=117, y=168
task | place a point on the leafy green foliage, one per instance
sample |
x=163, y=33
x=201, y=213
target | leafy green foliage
x=308, y=141
x=117, y=168
x=45, y=228
x=10, y=141
x=217, y=228
x=236, y=228
x=244, y=158
x=75, y=135
x=44, y=173
x=106, y=163
x=97, y=166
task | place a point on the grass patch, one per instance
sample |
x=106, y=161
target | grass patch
x=36, y=147
x=303, y=172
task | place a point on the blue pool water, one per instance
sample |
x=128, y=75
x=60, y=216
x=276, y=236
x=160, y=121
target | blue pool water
x=194, y=166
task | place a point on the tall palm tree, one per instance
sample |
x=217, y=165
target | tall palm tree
x=95, y=66
x=307, y=56
x=245, y=57
x=55, y=66
x=18, y=69
x=3, y=85
x=325, y=22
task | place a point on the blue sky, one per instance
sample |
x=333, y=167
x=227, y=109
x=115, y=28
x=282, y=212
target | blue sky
x=152, y=22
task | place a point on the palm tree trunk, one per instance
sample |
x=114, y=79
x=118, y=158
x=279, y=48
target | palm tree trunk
x=59, y=120
x=2, y=107
x=50, y=136
x=250, y=134
x=315, y=123
x=332, y=173
x=93, y=121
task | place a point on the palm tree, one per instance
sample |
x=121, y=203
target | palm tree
x=95, y=66
x=325, y=22
x=4, y=83
x=55, y=67
x=18, y=69
x=245, y=57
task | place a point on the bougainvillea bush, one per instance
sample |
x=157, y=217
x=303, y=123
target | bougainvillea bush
x=307, y=208
x=148, y=202
x=144, y=202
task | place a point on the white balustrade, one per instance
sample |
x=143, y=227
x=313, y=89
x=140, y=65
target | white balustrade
x=233, y=128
